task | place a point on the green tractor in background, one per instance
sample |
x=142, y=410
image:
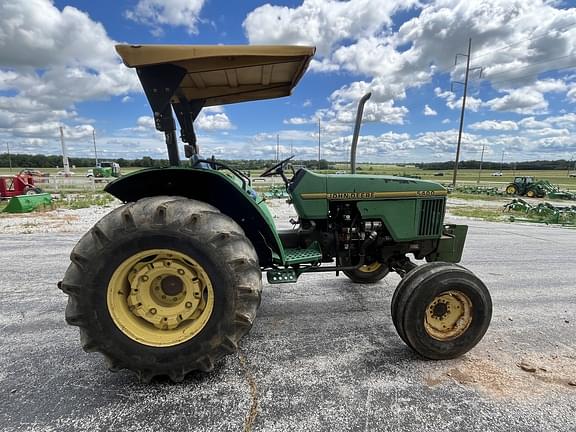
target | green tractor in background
x=171, y=281
x=528, y=186
x=104, y=169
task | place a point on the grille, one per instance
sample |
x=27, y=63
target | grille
x=431, y=217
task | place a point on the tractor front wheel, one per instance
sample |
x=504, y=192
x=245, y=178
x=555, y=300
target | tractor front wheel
x=369, y=273
x=163, y=286
x=442, y=310
x=531, y=194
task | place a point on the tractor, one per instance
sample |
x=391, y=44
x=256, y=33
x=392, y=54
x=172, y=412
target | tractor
x=169, y=282
x=104, y=169
x=528, y=186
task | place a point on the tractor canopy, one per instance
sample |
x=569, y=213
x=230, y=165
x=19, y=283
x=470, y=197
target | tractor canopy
x=218, y=74
x=187, y=78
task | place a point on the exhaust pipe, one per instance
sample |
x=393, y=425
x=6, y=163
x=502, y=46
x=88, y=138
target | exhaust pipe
x=357, y=131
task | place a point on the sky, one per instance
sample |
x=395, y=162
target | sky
x=58, y=67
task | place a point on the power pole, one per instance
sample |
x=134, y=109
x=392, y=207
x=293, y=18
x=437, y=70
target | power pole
x=502, y=162
x=9, y=157
x=94, y=140
x=277, y=148
x=318, y=143
x=465, y=84
x=481, y=160
x=64, y=155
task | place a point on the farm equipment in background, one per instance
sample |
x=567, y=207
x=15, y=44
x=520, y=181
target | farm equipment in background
x=542, y=213
x=24, y=195
x=171, y=281
x=528, y=186
x=21, y=184
x=104, y=169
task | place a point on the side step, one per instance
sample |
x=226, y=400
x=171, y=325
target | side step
x=311, y=255
x=281, y=276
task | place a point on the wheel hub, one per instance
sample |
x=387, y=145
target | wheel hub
x=164, y=292
x=448, y=316
x=160, y=297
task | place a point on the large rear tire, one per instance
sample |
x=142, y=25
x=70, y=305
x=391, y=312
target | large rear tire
x=163, y=286
x=441, y=310
x=512, y=189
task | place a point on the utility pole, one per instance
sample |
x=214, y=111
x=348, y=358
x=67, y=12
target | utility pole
x=318, y=143
x=277, y=148
x=481, y=160
x=502, y=162
x=95, y=152
x=9, y=157
x=465, y=84
x=64, y=155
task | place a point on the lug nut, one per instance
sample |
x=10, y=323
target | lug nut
x=197, y=294
x=180, y=272
x=144, y=278
x=152, y=311
x=188, y=305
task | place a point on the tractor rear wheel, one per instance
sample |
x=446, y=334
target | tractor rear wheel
x=512, y=190
x=369, y=273
x=442, y=310
x=163, y=286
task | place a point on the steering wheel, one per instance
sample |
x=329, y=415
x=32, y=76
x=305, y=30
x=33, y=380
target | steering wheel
x=277, y=169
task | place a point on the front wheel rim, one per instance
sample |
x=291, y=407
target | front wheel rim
x=370, y=268
x=160, y=297
x=448, y=315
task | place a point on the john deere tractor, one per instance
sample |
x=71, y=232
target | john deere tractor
x=170, y=282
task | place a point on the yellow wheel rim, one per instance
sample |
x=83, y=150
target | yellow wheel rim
x=448, y=316
x=160, y=297
x=530, y=194
x=369, y=268
x=510, y=190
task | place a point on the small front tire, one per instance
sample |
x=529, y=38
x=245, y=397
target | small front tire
x=442, y=311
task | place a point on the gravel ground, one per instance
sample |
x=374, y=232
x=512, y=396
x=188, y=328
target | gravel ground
x=323, y=354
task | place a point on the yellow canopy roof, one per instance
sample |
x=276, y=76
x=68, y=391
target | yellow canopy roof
x=223, y=74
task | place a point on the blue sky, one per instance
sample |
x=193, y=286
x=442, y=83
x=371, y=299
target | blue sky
x=58, y=67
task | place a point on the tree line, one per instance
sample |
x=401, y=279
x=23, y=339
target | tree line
x=55, y=161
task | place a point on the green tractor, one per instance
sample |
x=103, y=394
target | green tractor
x=104, y=169
x=528, y=186
x=170, y=282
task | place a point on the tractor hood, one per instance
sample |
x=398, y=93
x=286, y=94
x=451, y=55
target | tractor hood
x=218, y=74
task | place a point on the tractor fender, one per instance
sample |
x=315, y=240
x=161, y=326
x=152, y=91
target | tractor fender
x=212, y=187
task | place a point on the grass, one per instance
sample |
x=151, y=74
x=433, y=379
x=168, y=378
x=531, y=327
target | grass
x=476, y=197
x=80, y=201
x=492, y=215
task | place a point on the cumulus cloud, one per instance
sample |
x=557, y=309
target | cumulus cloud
x=429, y=111
x=159, y=13
x=50, y=60
x=494, y=125
x=390, y=62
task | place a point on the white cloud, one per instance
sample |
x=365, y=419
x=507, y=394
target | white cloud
x=209, y=122
x=52, y=59
x=322, y=23
x=176, y=13
x=494, y=125
x=429, y=111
